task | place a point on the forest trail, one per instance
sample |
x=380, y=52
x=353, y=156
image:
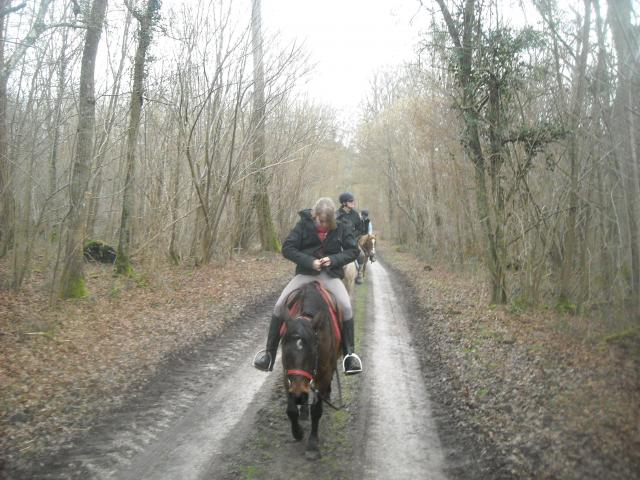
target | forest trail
x=199, y=418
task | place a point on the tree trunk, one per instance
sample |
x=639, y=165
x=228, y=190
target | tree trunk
x=123, y=262
x=174, y=252
x=626, y=41
x=72, y=280
x=569, y=259
x=268, y=235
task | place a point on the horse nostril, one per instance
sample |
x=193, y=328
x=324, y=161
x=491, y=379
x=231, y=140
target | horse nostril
x=298, y=388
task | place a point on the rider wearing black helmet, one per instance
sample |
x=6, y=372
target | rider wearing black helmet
x=348, y=214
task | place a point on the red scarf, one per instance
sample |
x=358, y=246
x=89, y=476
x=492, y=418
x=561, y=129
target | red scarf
x=322, y=233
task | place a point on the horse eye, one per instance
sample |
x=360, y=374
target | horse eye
x=299, y=344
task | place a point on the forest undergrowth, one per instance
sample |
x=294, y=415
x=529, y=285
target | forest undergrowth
x=559, y=396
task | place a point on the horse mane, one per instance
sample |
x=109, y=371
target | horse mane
x=363, y=240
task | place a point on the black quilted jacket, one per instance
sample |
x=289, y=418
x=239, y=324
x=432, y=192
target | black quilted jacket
x=302, y=246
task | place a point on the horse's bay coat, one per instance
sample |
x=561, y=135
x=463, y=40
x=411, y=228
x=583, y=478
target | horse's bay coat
x=302, y=246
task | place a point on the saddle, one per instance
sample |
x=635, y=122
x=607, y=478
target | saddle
x=293, y=306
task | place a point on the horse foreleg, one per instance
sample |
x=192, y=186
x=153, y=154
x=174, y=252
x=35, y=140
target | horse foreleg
x=313, y=451
x=364, y=266
x=292, y=413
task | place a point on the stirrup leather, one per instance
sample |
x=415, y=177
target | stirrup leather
x=352, y=371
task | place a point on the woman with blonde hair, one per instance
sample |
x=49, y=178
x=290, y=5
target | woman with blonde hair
x=320, y=246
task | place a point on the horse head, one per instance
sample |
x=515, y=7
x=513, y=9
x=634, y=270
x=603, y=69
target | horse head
x=372, y=245
x=367, y=244
x=299, y=355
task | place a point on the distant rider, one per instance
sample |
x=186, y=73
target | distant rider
x=348, y=213
x=367, y=228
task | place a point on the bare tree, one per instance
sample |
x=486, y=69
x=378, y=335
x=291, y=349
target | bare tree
x=72, y=279
x=7, y=65
x=146, y=20
x=268, y=236
x=103, y=140
x=625, y=130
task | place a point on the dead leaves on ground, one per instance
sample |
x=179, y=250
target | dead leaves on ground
x=62, y=363
x=549, y=389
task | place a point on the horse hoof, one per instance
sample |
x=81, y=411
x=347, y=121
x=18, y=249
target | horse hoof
x=297, y=432
x=312, y=454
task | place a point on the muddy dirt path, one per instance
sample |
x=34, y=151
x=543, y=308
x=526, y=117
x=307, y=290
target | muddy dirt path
x=400, y=433
x=210, y=415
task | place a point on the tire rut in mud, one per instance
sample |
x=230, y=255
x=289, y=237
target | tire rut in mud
x=470, y=454
x=260, y=445
x=151, y=410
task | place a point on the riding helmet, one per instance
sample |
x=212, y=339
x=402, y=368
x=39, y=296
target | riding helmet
x=346, y=197
x=365, y=213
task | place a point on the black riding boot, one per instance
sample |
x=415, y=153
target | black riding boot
x=351, y=364
x=265, y=359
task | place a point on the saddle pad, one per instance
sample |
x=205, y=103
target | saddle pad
x=293, y=306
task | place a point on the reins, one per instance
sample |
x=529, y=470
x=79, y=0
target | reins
x=316, y=392
x=311, y=375
x=339, y=393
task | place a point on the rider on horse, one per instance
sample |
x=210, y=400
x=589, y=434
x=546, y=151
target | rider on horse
x=367, y=228
x=367, y=225
x=348, y=214
x=320, y=246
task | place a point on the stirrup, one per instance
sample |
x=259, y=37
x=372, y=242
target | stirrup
x=356, y=368
x=260, y=367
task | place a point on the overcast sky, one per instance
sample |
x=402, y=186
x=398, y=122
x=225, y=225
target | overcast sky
x=348, y=39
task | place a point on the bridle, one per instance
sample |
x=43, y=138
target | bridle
x=310, y=376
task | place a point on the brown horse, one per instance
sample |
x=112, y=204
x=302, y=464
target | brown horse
x=367, y=245
x=310, y=349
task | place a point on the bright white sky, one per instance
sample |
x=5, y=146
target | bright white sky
x=348, y=40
